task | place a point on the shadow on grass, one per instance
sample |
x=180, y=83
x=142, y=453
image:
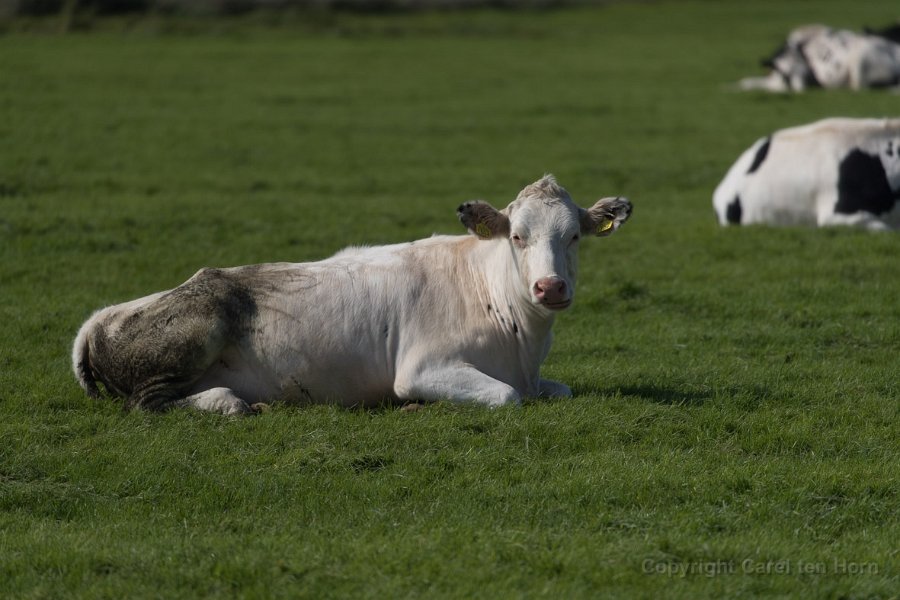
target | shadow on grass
x=746, y=397
x=658, y=394
x=669, y=396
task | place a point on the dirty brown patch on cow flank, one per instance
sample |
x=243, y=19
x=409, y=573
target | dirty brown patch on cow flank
x=158, y=351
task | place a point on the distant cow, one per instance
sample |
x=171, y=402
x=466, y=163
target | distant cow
x=831, y=172
x=465, y=318
x=819, y=56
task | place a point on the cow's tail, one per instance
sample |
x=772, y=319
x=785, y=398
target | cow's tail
x=81, y=360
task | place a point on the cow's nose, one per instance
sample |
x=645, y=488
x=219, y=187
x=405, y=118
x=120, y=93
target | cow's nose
x=550, y=289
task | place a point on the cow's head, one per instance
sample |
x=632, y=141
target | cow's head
x=542, y=227
x=790, y=61
x=790, y=70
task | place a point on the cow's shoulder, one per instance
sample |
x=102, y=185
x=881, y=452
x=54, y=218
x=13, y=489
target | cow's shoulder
x=432, y=256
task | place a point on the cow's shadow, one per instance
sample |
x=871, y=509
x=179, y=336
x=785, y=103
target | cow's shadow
x=746, y=396
x=672, y=396
x=667, y=395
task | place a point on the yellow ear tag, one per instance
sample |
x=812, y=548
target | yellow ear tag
x=605, y=225
x=483, y=230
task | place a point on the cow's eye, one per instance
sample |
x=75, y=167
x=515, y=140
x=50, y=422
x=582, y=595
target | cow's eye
x=576, y=237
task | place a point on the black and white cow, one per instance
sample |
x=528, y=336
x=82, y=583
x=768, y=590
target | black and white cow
x=832, y=172
x=819, y=56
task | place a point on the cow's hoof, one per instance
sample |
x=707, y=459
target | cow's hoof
x=260, y=407
x=412, y=407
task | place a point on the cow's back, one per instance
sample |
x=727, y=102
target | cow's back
x=798, y=175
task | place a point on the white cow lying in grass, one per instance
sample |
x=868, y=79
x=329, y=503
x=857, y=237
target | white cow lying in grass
x=465, y=318
x=832, y=172
x=819, y=56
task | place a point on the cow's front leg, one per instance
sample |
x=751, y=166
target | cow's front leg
x=554, y=389
x=460, y=383
x=773, y=82
x=861, y=220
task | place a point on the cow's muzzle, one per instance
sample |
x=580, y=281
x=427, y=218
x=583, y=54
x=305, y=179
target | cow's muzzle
x=552, y=292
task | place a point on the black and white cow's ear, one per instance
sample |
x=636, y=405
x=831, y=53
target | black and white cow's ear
x=604, y=217
x=483, y=220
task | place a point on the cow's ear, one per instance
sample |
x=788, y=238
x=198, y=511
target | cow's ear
x=604, y=217
x=483, y=220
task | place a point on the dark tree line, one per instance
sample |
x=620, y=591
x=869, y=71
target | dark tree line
x=218, y=7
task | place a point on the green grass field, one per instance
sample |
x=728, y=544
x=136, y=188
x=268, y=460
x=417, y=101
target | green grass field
x=736, y=425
